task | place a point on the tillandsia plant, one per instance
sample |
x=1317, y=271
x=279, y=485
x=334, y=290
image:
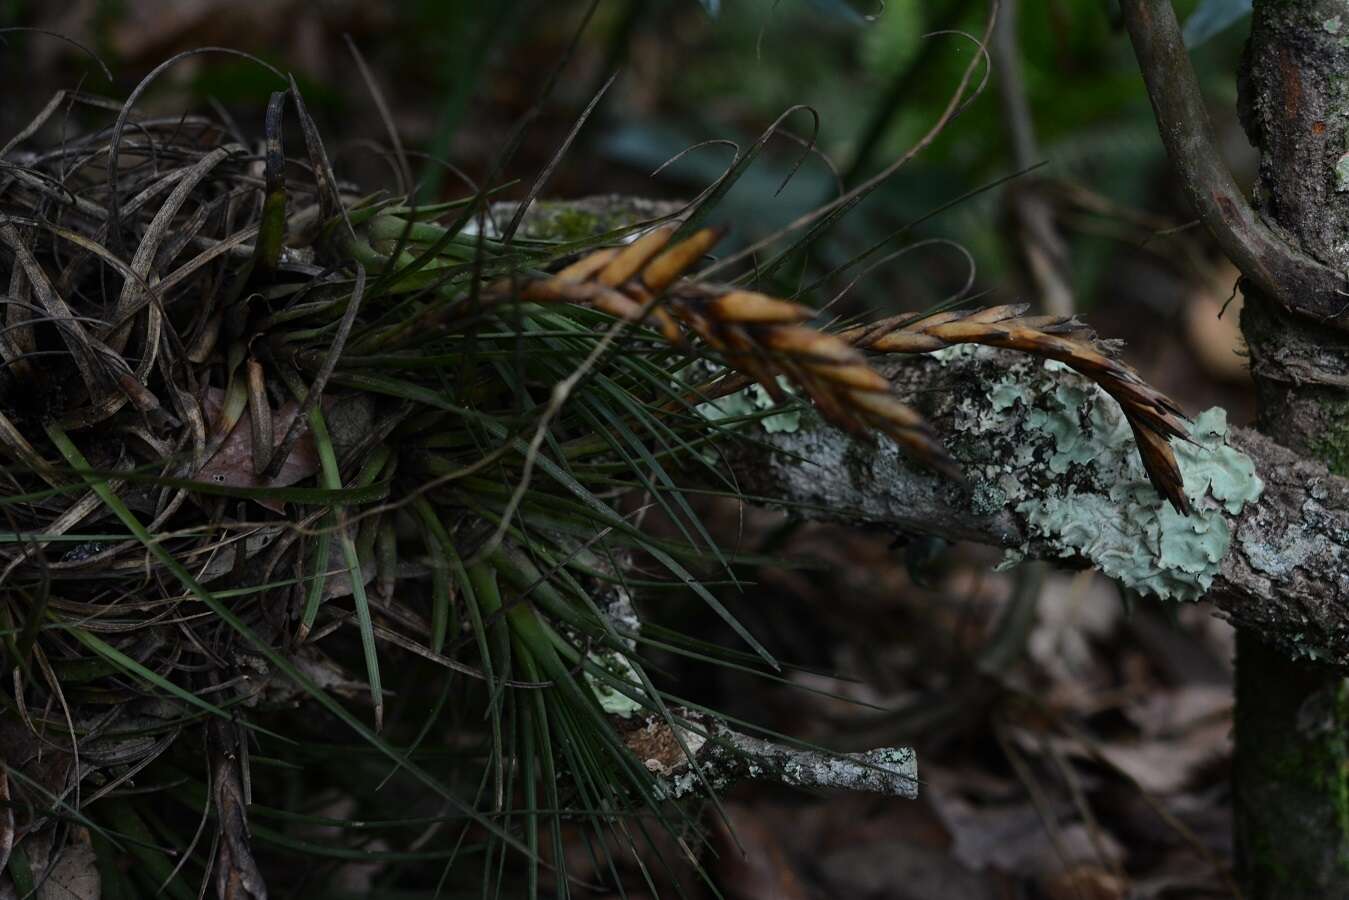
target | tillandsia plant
x=313, y=544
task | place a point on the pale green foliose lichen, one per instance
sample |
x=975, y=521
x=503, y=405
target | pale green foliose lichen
x=753, y=401
x=613, y=701
x=1099, y=504
x=1006, y=394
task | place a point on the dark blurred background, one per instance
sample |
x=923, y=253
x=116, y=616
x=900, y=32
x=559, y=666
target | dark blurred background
x=1073, y=742
x=459, y=75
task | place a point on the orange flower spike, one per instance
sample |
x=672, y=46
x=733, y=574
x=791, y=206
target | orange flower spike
x=859, y=377
x=669, y=328
x=824, y=356
x=810, y=346
x=965, y=331
x=1057, y=347
x=998, y=313
x=549, y=291
x=701, y=326
x=616, y=304
x=864, y=335
x=1061, y=325
x=587, y=265
x=906, y=342
x=759, y=309
x=665, y=269
x=827, y=398
x=744, y=355
x=630, y=260
x=887, y=407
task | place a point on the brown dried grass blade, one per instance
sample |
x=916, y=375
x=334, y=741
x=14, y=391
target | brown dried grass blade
x=260, y=417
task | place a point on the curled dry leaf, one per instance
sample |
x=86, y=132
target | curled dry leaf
x=751, y=863
x=233, y=463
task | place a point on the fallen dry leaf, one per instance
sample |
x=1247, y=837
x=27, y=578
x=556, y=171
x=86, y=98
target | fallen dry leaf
x=74, y=877
x=232, y=463
x=1181, y=710
x=751, y=863
x=1074, y=612
x=1086, y=883
x=1166, y=766
x=1013, y=838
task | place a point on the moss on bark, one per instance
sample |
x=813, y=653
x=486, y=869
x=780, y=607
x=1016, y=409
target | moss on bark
x=1292, y=775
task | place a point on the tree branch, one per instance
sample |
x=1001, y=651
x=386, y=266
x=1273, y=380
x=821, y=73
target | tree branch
x=1053, y=475
x=1044, y=249
x=1298, y=282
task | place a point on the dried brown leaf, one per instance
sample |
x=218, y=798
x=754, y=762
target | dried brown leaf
x=233, y=465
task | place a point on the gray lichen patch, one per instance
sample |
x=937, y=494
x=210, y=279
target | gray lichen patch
x=752, y=403
x=731, y=756
x=1280, y=555
x=1057, y=449
x=1342, y=173
x=612, y=700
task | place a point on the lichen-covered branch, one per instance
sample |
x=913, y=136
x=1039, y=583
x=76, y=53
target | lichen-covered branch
x=725, y=757
x=1052, y=474
x=892, y=771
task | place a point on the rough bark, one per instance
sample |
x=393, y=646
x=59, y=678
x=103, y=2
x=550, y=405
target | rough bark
x=1291, y=772
x=1288, y=274
x=1289, y=779
x=1284, y=570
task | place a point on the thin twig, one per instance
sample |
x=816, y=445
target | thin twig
x=1294, y=280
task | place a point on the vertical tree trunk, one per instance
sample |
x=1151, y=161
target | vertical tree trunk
x=1291, y=775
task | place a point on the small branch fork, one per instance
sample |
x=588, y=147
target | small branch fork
x=1294, y=280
